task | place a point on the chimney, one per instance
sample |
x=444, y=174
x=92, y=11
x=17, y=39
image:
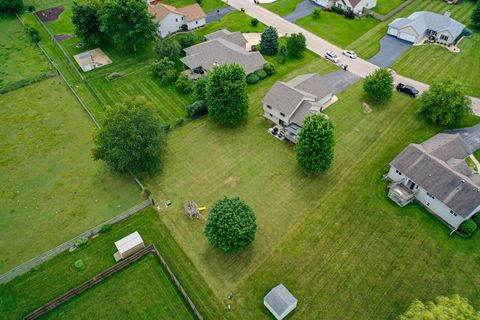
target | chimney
x=447, y=14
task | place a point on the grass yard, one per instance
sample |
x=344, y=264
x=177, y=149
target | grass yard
x=429, y=62
x=20, y=58
x=207, y=5
x=121, y=295
x=233, y=21
x=282, y=7
x=45, y=4
x=52, y=190
x=142, y=291
x=385, y=6
x=337, y=28
x=369, y=43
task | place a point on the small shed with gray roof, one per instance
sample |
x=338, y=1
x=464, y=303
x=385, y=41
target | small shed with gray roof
x=435, y=173
x=287, y=104
x=280, y=302
x=423, y=24
x=222, y=48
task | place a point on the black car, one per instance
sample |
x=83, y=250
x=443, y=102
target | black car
x=407, y=89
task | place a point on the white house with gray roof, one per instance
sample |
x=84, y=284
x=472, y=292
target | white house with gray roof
x=288, y=103
x=436, y=175
x=221, y=47
x=357, y=6
x=421, y=24
x=280, y=302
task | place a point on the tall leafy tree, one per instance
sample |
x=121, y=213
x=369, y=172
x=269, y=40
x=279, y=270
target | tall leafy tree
x=226, y=94
x=296, y=45
x=316, y=143
x=445, y=103
x=269, y=41
x=379, y=85
x=126, y=22
x=11, y=6
x=231, y=225
x=476, y=16
x=454, y=307
x=164, y=69
x=169, y=48
x=86, y=21
x=131, y=138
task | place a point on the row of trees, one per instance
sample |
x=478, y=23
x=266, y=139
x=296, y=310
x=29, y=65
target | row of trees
x=445, y=103
x=269, y=44
x=125, y=23
x=11, y=6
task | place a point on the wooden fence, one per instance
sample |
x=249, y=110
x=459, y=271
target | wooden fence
x=49, y=306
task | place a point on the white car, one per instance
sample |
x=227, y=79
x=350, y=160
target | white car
x=329, y=55
x=349, y=53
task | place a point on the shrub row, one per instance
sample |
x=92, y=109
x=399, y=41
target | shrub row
x=28, y=81
x=197, y=109
x=268, y=70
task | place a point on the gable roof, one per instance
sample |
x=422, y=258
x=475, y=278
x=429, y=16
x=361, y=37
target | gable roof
x=280, y=300
x=421, y=21
x=451, y=181
x=220, y=51
x=297, y=97
x=192, y=12
x=234, y=37
x=353, y=3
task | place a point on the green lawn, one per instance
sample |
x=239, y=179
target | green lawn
x=337, y=28
x=63, y=25
x=122, y=294
x=140, y=292
x=282, y=7
x=429, y=62
x=207, y=5
x=233, y=21
x=45, y=4
x=20, y=58
x=369, y=43
x=51, y=189
x=385, y=6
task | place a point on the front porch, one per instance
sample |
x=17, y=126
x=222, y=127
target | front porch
x=400, y=194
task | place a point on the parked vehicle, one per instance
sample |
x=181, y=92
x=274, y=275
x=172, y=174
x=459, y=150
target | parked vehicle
x=329, y=55
x=408, y=90
x=349, y=53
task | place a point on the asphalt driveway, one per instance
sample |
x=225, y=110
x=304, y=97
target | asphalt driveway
x=341, y=80
x=391, y=49
x=215, y=15
x=303, y=9
x=470, y=135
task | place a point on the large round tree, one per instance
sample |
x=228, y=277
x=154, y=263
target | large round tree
x=445, y=103
x=226, y=94
x=379, y=85
x=231, y=225
x=315, y=144
x=131, y=138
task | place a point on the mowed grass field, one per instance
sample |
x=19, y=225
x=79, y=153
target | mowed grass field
x=385, y=6
x=233, y=21
x=369, y=43
x=207, y=5
x=336, y=28
x=51, y=189
x=121, y=295
x=142, y=291
x=20, y=58
x=282, y=7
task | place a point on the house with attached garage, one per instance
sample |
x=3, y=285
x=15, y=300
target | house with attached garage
x=357, y=6
x=436, y=175
x=171, y=19
x=288, y=103
x=221, y=47
x=427, y=25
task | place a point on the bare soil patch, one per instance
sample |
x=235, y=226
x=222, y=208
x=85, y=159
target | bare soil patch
x=232, y=181
x=366, y=108
x=49, y=15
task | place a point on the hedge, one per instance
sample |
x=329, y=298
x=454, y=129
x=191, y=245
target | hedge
x=252, y=78
x=197, y=109
x=28, y=81
x=269, y=68
x=261, y=74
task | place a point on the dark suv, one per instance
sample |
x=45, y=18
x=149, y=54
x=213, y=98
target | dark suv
x=407, y=89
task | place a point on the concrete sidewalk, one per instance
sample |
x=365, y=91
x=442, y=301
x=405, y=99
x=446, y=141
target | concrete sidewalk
x=358, y=67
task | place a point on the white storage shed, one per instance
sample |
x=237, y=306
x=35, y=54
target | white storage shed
x=280, y=302
x=128, y=245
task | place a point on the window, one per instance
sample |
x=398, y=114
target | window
x=269, y=107
x=282, y=114
x=453, y=213
x=398, y=172
x=196, y=22
x=176, y=19
x=271, y=115
x=443, y=37
x=432, y=33
x=428, y=204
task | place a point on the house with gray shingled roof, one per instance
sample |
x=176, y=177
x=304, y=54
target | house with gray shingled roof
x=221, y=47
x=426, y=24
x=288, y=103
x=357, y=6
x=436, y=175
x=280, y=302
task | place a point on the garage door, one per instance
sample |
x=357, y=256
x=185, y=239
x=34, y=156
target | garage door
x=393, y=32
x=407, y=37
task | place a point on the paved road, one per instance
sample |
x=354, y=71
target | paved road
x=359, y=67
x=391, y=49
x=302, y=9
